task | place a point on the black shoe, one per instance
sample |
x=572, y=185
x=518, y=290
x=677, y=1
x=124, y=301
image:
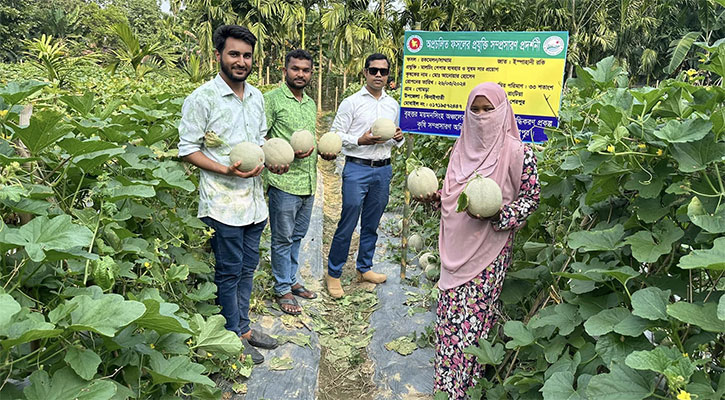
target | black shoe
x=262, y=340
x=257, y=357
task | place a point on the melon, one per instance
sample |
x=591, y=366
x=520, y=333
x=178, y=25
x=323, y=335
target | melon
x=302, y=141
x=278, y=152
x=432, y=272
x=484, y=196
x=383, y=128
x=426, y=259
x=329, y=143
x=416, y=242
x=422, y=182
x=249, y=153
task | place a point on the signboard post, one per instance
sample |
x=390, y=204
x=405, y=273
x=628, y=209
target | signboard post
x=441, y=68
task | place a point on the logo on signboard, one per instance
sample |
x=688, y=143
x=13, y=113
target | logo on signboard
x=415, y=44
x=553, y=45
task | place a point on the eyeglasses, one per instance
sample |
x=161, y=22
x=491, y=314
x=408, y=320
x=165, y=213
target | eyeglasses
x=374, y=71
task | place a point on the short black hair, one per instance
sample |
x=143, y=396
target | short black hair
x=376, y=56
x=237, y=32
x=298, y=54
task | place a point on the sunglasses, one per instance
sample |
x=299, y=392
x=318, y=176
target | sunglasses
x=374, y=71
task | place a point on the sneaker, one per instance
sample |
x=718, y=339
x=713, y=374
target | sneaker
x=257, y=357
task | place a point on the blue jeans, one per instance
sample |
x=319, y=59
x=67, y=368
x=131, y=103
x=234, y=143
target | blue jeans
x=236, y=250
x=365, y=192
x=289, y=218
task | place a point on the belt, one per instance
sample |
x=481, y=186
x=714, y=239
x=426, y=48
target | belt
x=369, y=163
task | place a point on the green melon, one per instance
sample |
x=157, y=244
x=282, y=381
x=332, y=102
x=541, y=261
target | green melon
x=329, y=143
x=278, y=152
x=302, y=141
x=426, y=259
x=484, y=196
x=416, y=242
x=432, y=272
x=249, y=153
x=422, y=182
x=384, y=128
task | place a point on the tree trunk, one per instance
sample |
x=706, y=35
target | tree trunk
x=319, y=79
x=261, y=77
x=337, y=94
x=344, y=83
x=267, y=80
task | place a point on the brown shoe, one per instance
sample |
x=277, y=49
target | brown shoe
x=334, y=287
x=371, y=276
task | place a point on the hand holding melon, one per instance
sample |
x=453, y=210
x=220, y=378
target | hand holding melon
x=329, y=145
x=302, y=143
x=278, y=155
x=481, y=198
x=247, y=160
x=423, y=185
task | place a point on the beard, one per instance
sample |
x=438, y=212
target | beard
x=294, y=85
x=227, y=70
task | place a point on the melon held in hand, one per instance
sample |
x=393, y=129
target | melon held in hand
x=329, y=143
x=250, y=154
x=278, y=152
x=384, y=128
x=422, y=182
x=302, y=141
x=484, y=197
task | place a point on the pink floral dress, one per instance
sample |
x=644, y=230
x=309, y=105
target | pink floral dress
x=467, y=312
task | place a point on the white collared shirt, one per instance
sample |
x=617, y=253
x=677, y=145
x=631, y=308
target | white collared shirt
x=356, y=115
x=214, y=106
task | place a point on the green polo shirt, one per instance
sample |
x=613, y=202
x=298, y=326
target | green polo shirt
x=285, y=115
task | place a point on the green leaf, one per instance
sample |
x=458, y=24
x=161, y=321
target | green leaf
x=622, y=274
x=599, y=240
x=177, y=273
x=83, y=105
x=66, y=385
x=205, y=291
x=563, y=316
x=90, y=161
x=622, y=383
x=681, y=132
x=211, y=336
x=597, y=143
x=8, y=308
x=721, y=308
x=177, y=369
x=710, y=258
x=651, y=303
x=657, y=360
x=648, y=248
x=75, y=147
x=679, y=49
x=300, y=339
x=711, y=222
x=604, y=321
x=25, y=327
x=614, y=348
x=692, y=157
x=43, y=234
x=462, y=202
x=44, y=130
x=403, y=345
x=560, y=387
x=485, y=353
x=282, y=363
x=15, y=92
x=520, y=334
x=632, y=326
x=84, y=362
x=705, y=316
x=105, y=315
x=173, y=175
x=162, y=318
x=120, y=192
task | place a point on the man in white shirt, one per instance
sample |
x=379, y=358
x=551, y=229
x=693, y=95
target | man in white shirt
x=367, y=173
x=215, y=117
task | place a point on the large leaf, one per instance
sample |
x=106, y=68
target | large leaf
x=704, y=316
x=211, y=336
x=560, y=387
x=161, y=318
x=721, y=308
x=681, y=132
x=177, y=369
x=105, y=315
x=42, y=234
x=711, y=222
x=174, y=176
x=15, y=92
x=604, y=321
x=696, y=156
x=649, y=247
x=563, y=316
x=66, y=385
x=679, y=49
x=485, y=353
x=84, y=362
x=632, y=326
x=664, y=360
x=622, y=383
x=600, y=240
x=44, y=130
x=615, y=348
x=519, y=333
x=8, y=308
x=76, y=147
x=710, y=258
x=651, y=303
x=25, y=327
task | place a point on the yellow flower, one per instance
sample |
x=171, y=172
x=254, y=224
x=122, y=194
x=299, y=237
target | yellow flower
x=659, y=152
x=642, y=146
x=577, y=141
x=208, y=354
x=683, y=396
x=189, y=342
x=610, y=148
x=147, y=264
x=234, y=367
x=3, y=113
x=685, y=355
x=691, y=72
x=152, y=346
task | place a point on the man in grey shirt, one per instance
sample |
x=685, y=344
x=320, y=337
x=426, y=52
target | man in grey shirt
x=215, y=117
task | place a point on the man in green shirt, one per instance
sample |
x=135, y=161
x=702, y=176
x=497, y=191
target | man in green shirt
x=291, y=195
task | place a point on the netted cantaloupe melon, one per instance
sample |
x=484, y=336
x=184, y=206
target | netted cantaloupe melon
x=249, y=153
x=383, y=128
x=278, y=152
x=302, y=141
x=422, y=182
x=426, y=259
x=416, y=242
x=329, y=143
x=432, y=272
x=484, y=196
